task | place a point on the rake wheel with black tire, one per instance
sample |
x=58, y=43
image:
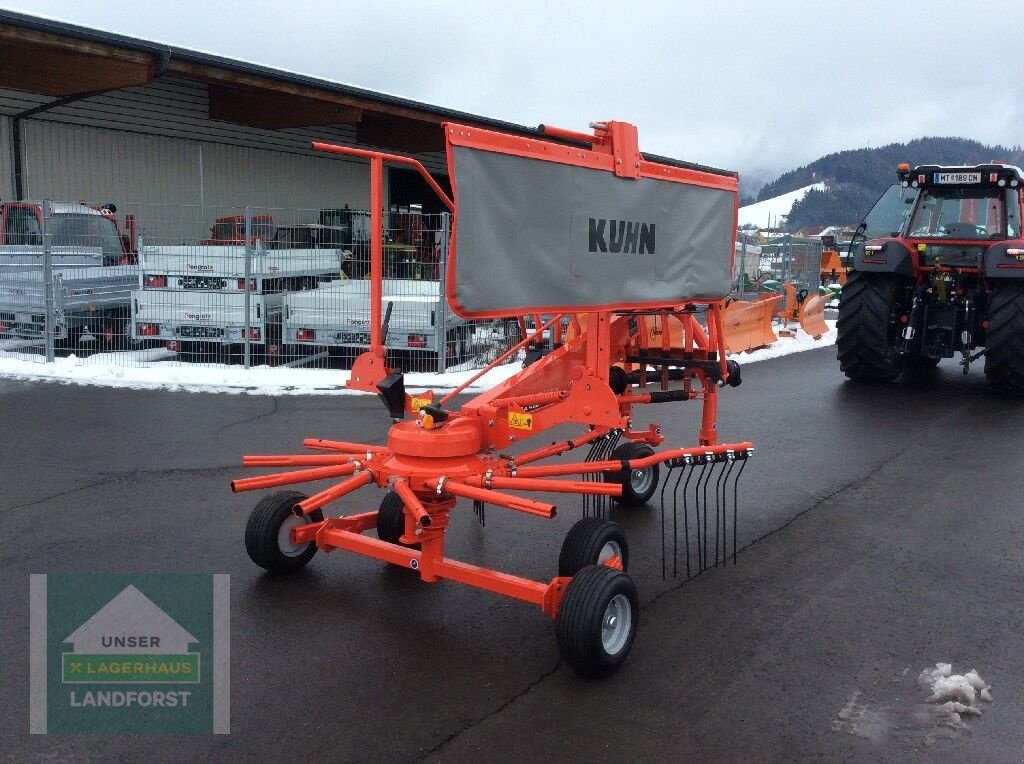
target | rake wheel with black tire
x=268, y=533
x=597, y=621
x=638, y=486
x=592, y=541
x=391, y=520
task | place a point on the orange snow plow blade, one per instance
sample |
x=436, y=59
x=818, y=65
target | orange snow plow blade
x=791, y=308
x=812, y=316
x=748, y=325
x=832, y=269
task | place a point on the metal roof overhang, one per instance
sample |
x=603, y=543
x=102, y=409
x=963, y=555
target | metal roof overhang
x=67, y=62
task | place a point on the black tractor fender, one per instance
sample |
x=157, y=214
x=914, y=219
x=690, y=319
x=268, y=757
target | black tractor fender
x=1005, y=260
x=894, y=257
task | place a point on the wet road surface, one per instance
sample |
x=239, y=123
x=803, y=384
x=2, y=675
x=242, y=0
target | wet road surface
x=881, y=530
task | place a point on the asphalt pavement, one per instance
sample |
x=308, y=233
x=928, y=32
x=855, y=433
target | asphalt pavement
x=881, y=531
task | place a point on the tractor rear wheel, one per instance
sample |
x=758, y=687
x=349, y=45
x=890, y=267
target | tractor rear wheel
x=597, y=620
x=592, y=541
x=1004, y=356
x=869, y=327
x=268, y=533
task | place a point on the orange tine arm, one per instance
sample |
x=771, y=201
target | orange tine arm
x=554, y=486
x=410, y=500
x=553, y=470
x=560, y=448
x=303, y=460
x=319, y=444
x=318, y=500
x=291, y=478
x=529, y=506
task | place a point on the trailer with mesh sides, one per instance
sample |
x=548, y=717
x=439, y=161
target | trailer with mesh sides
x=206, y=298
x=337, y=316
x=79, y=250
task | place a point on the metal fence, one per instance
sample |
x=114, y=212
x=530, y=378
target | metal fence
x=786, y=259
x=794, y=260
x=168, y=284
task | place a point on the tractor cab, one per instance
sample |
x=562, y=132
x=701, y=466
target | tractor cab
x=941, y=216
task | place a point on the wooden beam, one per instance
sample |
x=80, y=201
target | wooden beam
x=410, y=135
x=213, y=75
x=17, y=35
x=273, y=111
x=63, y=72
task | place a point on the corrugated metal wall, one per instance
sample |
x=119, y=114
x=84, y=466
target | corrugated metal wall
x=179, y=108
x=155, y=147
x=177, y=187
x=6, y=160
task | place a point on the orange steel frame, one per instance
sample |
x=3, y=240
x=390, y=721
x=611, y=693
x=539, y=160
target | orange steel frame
x=432, y=461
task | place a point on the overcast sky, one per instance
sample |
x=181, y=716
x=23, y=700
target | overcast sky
x=762, y=87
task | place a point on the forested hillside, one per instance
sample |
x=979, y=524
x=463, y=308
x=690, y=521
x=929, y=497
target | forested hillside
x=857, y=177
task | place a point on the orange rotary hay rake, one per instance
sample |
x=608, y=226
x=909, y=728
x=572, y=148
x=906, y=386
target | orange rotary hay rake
x=634, y=255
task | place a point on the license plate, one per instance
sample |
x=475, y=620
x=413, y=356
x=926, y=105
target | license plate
x=958, y=177
x=202, y=282
x=355, y=337
x=200, y=331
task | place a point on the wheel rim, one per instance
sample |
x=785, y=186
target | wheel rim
x=609, y=550
x=284, y=537
x=616, y=624
x=640, y=480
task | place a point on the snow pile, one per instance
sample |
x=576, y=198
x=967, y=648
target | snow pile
x=157, y=370
x=958, y=694
x=221, y=378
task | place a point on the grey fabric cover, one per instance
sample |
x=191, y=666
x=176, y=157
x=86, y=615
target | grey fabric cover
x=525, y=229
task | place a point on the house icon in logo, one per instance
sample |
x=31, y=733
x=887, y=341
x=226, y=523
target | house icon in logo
x=131, y=623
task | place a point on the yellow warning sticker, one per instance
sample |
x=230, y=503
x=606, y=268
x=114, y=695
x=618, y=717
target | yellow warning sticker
x=417, y=403
x=520, y=421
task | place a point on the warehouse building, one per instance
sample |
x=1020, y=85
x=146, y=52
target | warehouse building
x=178, y=137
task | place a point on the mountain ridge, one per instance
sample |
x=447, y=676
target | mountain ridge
x=855, y=178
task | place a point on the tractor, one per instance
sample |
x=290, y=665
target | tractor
x=937, y=271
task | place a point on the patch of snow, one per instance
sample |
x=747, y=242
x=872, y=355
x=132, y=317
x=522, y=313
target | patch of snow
x=957, y=694
x=152, y=370
x=928, y=676
x=788, y=345
x=975, y=681
x=767, y=212
x=952, y=688
x=956, y=707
